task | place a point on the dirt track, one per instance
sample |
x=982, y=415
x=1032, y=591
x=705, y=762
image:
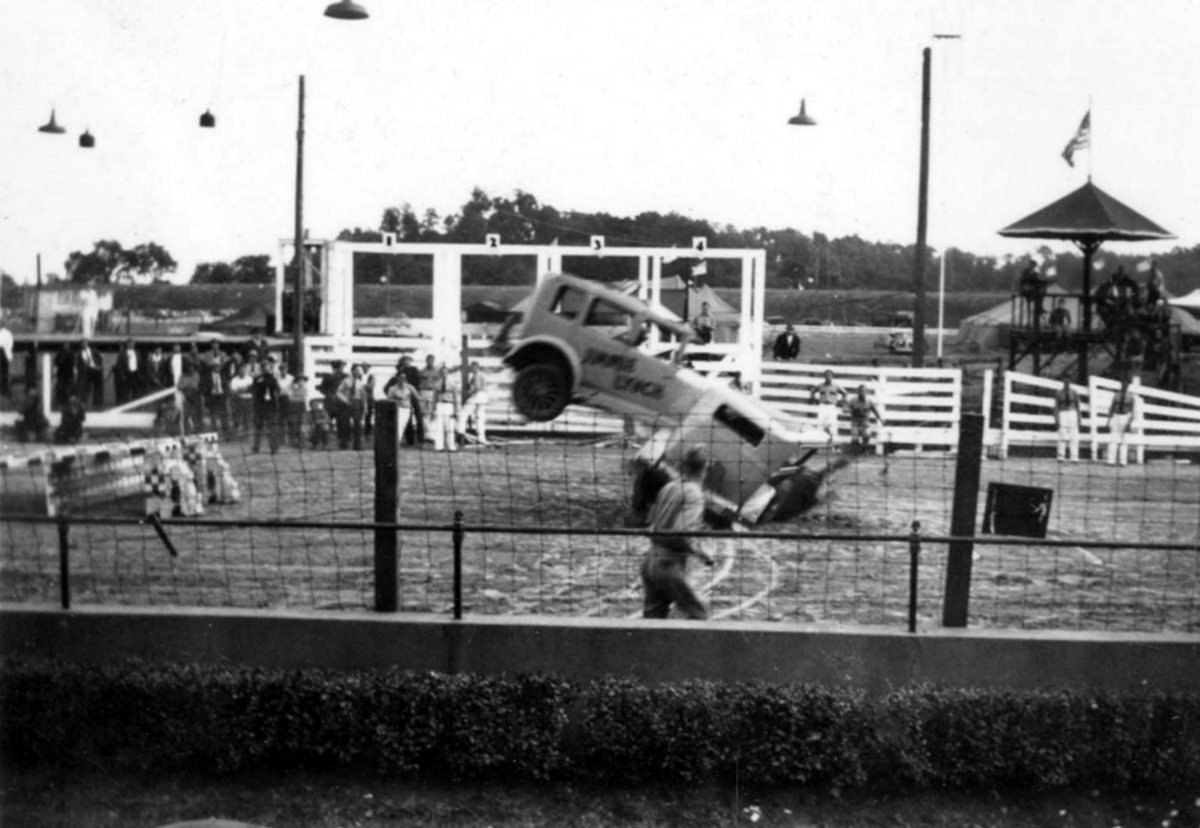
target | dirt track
x=583, y=486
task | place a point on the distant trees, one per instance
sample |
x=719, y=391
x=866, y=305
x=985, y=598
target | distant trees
x=245, y=270
x=108, y=263
x=794, y=260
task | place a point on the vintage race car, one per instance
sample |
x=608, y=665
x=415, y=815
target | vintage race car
x=584, y=343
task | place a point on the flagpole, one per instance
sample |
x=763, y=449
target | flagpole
x=1091, y=139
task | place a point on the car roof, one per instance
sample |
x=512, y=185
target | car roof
x=622, y=300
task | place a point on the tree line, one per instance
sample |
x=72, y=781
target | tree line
x=794, y=260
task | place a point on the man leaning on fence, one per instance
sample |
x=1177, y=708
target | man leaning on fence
x=679, y=507
x=1066, y=422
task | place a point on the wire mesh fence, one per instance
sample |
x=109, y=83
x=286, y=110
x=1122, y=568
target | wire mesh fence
x=545, y=521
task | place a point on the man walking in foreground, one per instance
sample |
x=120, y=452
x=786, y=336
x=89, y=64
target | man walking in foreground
x=679, y=507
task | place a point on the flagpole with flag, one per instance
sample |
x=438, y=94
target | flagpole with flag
x=1081, y=140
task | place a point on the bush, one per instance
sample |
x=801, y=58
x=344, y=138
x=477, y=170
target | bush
x=224, y=719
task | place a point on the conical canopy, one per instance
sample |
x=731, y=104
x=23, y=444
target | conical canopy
x=1088, y=215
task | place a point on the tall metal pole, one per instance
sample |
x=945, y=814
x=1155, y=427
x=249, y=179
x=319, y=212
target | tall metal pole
x=918, y=355
x=298, y=266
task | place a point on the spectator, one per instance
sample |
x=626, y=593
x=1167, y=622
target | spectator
x=415, y=433
x=319, y=423
x=90, y=374
x=241, y=396
x=1060, y=319
x=787, y=344
x=447, y=404
x=475, y=402
x=32, y=422
x=297, y=403
x=427, y=390
x=333, y=403
x=6, y=355
x=258, y=346
x=1156, y=288
x=191, y=399
x=66, y=370
x=1066, y=422
x=156, y=371
x=127, y=373
x=168, y=419
x=1121, y=415
x=704, y=325
x=1105, y=300
x=74, y=414
x=1129, y=296
x=212, y=388
x=1033, y=292
x=679, y=507
x=352, y=400
x=265, y=392
x=828, y=396
x=400, y=391
x=369, y=410
x=861, y=411
x=175, y=365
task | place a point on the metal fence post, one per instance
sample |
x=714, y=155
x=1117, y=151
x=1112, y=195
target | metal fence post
x=957, y=597
x=458, y=546
x=914, y=557
x=387, y=505
x=64, y=563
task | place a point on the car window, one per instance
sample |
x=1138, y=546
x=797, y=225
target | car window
x=568, y=302
x=603, y=313
x=741, y=425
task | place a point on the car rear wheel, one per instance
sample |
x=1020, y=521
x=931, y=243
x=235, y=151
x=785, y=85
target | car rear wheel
x=541, y=391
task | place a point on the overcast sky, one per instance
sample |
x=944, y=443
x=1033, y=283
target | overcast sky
x=619, y=106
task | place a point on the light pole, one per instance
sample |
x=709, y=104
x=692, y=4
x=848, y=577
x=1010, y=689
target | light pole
x=918, y=353
x=300, y=259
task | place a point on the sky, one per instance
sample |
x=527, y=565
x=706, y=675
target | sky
x=617, y=106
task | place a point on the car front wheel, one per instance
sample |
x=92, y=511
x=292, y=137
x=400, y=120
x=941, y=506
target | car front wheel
x=541, y=391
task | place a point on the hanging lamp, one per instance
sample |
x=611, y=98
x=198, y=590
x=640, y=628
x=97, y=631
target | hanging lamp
x=51, y=126
x=208, y=120
x=802, y=119
x=86, y=140
x=346, y=10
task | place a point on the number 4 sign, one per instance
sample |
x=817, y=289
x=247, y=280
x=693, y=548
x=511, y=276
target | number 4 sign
x=699, y=244
x=597, y=244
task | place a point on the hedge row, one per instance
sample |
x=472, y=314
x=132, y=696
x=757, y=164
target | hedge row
x=220, y=719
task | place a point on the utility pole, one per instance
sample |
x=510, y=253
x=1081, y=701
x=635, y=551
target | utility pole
x=300, y=259
x=918, y=354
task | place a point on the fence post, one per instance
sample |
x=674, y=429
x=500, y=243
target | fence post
x=387, y=477
x=957, y=595
x=457, y=535
x=64, y=563
x=914, y=557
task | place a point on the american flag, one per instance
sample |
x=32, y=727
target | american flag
x=1080, y=141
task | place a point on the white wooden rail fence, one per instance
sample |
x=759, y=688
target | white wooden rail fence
x=1163, y=419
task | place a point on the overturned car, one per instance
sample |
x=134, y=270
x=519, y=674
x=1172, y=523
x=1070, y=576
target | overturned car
x=581, y=342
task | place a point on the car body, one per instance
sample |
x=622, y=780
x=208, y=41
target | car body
x=581, y=342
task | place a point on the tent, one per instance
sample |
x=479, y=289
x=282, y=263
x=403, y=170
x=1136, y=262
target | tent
x=1190, y=301
x=988, y=329
x=254, y=318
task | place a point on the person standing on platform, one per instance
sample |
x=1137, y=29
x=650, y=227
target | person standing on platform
x=704, y=325
x=678, y=507
x=1066, y=422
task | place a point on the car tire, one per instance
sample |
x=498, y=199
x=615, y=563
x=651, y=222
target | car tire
x=541, y=391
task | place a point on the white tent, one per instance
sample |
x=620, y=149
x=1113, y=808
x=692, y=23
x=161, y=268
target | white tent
x=1190, y=301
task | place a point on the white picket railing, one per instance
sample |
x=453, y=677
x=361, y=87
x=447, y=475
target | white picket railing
x=1163, y=419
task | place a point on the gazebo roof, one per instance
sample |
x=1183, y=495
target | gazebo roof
x=1088, y=215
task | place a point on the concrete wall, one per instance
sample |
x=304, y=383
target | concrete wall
x=870, y=658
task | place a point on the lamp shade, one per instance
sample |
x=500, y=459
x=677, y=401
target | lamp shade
x=51, y=126
x=208, y=120
x=346, y=10
x=801, y=119
x=86, y=140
